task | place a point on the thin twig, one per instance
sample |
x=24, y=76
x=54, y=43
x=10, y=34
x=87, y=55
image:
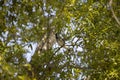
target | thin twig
x=115, y=17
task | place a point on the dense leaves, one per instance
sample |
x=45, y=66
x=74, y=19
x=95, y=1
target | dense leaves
x=90, y=28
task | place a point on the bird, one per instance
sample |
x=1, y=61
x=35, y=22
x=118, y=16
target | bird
x=60, y=40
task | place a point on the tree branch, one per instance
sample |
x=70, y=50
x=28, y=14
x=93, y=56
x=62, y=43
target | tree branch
x=111, y=8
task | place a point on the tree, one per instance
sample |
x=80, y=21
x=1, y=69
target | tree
x=90, y=29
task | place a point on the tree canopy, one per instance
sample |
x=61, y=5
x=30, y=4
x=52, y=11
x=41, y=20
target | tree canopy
x=90, y=29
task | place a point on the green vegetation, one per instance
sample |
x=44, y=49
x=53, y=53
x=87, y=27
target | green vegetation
x=90, y=28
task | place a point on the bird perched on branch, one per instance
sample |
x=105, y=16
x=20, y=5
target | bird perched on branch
x=60, y=40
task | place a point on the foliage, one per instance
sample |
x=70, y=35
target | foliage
x=90, y=28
